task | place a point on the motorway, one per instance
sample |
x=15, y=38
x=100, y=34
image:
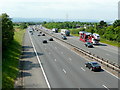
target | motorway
x=66, y=69
x=105, y=51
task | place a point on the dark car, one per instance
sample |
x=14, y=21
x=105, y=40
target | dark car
x=64, y=37
x=44, y=41
x=93, y=66
x=43, y=34
x=30, y=31
x=88, y=44
x=38, y=34
x=50, y=39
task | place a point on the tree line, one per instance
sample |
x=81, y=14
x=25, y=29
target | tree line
x=108, y=31
x=7, y=27
x=7, y=30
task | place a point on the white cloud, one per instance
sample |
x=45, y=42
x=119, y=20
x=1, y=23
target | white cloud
x=59, y=8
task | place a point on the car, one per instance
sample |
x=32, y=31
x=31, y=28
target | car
x=43, y=34
x=44, y=41
x=94, y=66
x=88, y=44
x=50, y=39
x=38, y=34
x=30, y=31
x=64, y=37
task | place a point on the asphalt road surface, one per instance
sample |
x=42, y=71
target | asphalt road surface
x=105, y=51
x=65, y=69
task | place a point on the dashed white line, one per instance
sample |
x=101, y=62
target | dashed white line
x=108, y=54
x=82, y=69
x=55, y=59
x=105, y=87
x=64, y=71
x=70, y=59
x=61, y=52
x=87, y=60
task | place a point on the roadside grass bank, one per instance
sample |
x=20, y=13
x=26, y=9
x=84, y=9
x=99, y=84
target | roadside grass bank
x=113, y=43
x=10, y=60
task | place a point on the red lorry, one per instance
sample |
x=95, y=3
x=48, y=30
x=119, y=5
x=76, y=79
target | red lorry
x=89, y=37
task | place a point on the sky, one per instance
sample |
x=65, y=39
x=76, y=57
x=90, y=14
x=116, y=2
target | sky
x=63, y=9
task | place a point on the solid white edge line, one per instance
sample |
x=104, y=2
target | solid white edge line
x=112, y=74
x=105, y=87
x=79, y=55
x=46, y=79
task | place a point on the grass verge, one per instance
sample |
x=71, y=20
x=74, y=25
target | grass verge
x=113, y=43
x=11, y=60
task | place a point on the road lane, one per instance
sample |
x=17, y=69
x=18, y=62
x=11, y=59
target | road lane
x=75, y=77
x=102, y=51
x=30, y=72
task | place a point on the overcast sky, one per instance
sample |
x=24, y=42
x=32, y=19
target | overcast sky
x=71, y=9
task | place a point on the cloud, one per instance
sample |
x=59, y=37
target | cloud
x=59, y=8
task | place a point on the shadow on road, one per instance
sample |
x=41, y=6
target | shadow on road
x=25, y=74
x=26, y=48
x=99, y=70
x=28, y=65
x=100, y=44
x=26, y=54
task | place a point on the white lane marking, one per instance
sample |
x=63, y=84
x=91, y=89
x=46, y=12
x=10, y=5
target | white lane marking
x=82, y=69
x=112, y=74
x=104, y=69
x=70, y=59
x=64, y=71
x=55, y=59
x=85, y=59
x=108, y=54
x=105, y=87
x=46, y=79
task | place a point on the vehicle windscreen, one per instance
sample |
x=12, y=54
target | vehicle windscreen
x=95, y=64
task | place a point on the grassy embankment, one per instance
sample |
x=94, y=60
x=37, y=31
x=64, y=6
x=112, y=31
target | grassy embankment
x=102, y=40
x=11, y=59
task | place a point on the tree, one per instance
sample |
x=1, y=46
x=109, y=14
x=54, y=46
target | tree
x=7, y=30
x=116, y=23
x=23, y=25
x=102, y=23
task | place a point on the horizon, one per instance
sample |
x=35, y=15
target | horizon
x=26, y=19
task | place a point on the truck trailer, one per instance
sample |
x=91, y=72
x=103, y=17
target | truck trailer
x=89, y=37
x=65, y=32
x=55, y=30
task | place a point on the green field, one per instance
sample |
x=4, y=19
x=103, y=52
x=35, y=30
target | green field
x=10, y=60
